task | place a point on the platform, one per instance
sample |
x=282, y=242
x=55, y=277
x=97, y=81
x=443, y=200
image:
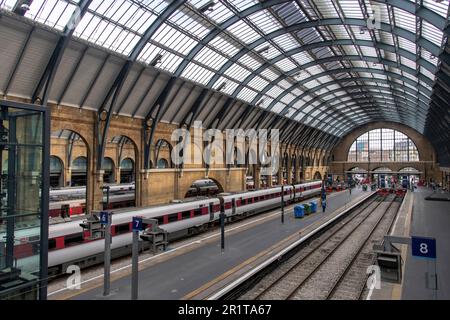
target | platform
x=425, y=218
x=429, y=219
x=178, y=274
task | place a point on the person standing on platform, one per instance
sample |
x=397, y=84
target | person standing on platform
x=323, y=198
x=324, y=204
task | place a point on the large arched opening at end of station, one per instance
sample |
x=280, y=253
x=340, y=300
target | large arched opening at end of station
x=204, y=188
x=69, y=167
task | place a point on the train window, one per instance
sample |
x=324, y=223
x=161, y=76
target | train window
x=122, y=228
x=73, y=239
x=185, y=214
x=51, y=244
x=197, y=212
x=160, y=220
x=173, y=217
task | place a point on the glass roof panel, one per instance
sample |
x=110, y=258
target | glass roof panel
x=242, y=31
x=210, y=58
x=267, y=50
x=269, y=74
x=286, y=42
x=174, y=39
x=405, y=20
x=432, y=33
x=351, y=9
x=285, y=65
x=190, y=22
x=237, y=72
x=258, y=83
x=118, y=25
x=224, y=45
x=197, y=73
x=230, y=85
x=265, y=21
x=247, y=94
x=218, y=13
x=440, y=7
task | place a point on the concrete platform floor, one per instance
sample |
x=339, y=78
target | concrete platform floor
x=429, y=219
x=423, y=218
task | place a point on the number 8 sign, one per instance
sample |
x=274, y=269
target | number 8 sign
x=137, y=224
x=423, y=247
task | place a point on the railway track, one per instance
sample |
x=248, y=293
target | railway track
x=332, y=266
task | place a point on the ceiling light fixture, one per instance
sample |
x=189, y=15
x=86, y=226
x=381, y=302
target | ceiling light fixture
x=264, y=49
x=156, y=60
x=209, y=6
x=222, y=86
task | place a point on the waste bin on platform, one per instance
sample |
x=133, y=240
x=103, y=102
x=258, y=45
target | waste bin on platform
x=307, y=208
x=313, y=205
x=299, y=211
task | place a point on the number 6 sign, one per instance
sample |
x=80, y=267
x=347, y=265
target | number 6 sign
x=423, y=247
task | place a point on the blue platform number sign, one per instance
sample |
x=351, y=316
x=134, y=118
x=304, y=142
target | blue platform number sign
x=104, y=217
x=137, y=224
x=423, y=247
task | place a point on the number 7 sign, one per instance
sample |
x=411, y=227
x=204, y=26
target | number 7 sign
x=137, y=224
x=423, y=247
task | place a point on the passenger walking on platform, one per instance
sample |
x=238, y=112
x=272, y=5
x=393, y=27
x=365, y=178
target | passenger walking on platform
x=324, y=204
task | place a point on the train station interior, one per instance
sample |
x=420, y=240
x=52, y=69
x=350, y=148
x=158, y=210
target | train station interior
x=224, y=149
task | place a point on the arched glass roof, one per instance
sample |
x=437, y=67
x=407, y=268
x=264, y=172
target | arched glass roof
x=329, y=64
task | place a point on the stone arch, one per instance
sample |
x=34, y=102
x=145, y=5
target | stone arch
x=165, y=154
x=410, y=165
x=317, y=176
x=71, y=150
x=109, y=167
x=124, y=140
x=56, y=172
x=126, y=165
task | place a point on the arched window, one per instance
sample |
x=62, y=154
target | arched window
x=108, y=166
x=79, y=175
x=56, y=172
x=162, y=163
x=383, y=145
x=126, y=170
x=79, y=164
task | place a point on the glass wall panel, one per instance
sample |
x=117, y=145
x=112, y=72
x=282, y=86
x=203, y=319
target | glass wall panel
x=21, y=206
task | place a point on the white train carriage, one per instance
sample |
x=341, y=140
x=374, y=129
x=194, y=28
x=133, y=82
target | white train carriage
x=80, y=192
x=307, y=189
x=68, y=244
x=78, y=206
x=256, y=201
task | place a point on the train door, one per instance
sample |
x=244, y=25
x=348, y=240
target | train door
x=211, y=211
